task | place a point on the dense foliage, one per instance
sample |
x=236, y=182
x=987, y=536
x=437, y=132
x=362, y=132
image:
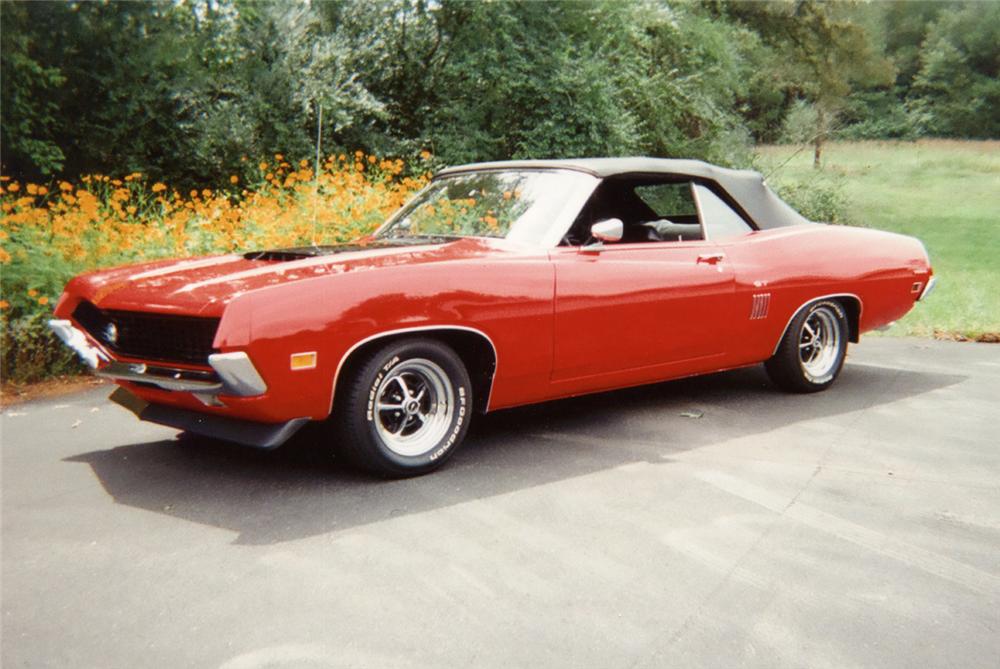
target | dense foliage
x=182, y=90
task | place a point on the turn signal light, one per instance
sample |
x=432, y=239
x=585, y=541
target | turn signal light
x=305, y=360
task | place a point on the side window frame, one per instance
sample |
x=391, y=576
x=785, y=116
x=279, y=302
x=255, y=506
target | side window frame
x=726, y=201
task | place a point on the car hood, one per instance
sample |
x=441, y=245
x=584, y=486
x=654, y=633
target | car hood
x=205, y=285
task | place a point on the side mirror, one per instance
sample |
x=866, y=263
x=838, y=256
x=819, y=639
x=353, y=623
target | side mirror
x=608, y=230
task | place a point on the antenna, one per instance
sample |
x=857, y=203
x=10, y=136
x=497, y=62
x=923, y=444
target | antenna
x=319, y=143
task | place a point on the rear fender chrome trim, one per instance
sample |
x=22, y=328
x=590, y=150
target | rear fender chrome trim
x=928, y=289
x=805, y=304
x=423, y=328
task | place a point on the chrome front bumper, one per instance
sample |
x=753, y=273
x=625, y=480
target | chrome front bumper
x=234, y=375
x=167, y=378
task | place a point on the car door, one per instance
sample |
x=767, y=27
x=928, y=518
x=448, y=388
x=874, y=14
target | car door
x=640, y=310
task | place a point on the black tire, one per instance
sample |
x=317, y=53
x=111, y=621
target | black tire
x=430, y=421
x=812, y=350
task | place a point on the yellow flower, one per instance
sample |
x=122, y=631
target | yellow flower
x=130, y=209
x=359, y=154
x=279, y=157
x=206, y=193
x=14, y=187
x=371, y=159
x=4, y=303
x=234, y=179
x=303, y=163
x=66, y=186
x=43, y=300
x=32, y=189
x=32, y=292
x=425, y=155
x=159, y=188
x=194, y=193
x=42, y=190
x=262, y=166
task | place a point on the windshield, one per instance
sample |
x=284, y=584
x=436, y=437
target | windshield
x=524, y=205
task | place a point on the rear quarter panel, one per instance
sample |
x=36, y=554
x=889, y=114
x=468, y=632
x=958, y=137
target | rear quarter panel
x=798, y=264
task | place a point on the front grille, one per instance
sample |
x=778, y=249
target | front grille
x=138, y=334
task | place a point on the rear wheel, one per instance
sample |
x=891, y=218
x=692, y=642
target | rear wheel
x=406, y=409
x=812, y=350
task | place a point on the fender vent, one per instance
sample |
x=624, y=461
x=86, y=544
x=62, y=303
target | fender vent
x=759, y=306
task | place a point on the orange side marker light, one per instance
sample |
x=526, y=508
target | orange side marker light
x=306, y=360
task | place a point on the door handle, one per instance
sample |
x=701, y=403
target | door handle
x=711, y=258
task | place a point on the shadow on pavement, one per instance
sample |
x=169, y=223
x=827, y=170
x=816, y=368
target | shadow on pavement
x=298, y=491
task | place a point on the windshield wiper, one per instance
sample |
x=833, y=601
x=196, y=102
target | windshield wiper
x=416, y=238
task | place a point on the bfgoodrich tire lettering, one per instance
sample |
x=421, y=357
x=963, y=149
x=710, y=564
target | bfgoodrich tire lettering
x=406, y=409
x=812, y=351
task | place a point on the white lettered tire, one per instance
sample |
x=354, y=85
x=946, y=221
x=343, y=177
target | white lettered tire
x=812, y=351
x=406, y=408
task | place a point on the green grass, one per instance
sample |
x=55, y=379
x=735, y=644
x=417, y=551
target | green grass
x=944, y=192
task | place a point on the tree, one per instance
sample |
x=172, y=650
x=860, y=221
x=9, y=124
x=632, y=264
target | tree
x=827, y=53
x=28, y=116
x=956, y=91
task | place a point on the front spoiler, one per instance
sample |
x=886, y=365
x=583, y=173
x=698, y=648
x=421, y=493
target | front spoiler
x=248, y=432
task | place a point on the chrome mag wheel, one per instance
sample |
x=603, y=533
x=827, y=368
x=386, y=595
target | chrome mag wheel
x=414, y=405
x=812, y=350
x=819, y=345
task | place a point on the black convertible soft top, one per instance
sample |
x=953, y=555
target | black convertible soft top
x=746, y=187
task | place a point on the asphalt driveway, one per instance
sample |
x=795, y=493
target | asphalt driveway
x=857, y=527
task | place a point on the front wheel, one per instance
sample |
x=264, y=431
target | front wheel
x=813, y=349
x=406, y=409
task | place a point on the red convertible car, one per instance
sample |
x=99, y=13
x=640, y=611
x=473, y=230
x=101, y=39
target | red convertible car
x=500, y=284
